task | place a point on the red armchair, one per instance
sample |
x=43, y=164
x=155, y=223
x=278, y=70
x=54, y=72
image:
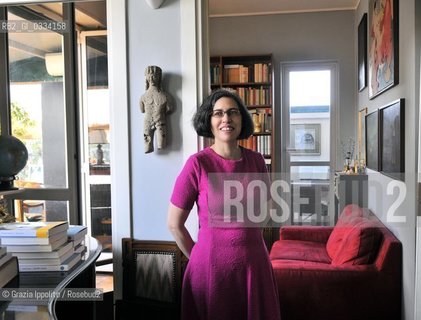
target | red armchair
x=350, y=271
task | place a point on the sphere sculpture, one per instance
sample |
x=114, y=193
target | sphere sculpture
x=13, y=158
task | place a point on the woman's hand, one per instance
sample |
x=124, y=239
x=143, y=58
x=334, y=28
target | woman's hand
x=175, y=222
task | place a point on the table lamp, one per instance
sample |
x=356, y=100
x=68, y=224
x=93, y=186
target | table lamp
x=98, y=137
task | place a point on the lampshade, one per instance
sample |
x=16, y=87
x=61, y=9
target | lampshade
x=54, y=62
x=97, y=136
x=154, y=4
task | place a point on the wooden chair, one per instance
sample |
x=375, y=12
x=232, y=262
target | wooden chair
x=152, y=277
x=30, y=210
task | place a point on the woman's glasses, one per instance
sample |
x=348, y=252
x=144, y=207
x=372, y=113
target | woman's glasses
x=234, y=112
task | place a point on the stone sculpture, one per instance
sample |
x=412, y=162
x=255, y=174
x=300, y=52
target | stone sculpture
x=155, y=103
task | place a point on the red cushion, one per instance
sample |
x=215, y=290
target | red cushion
x=351, y=215
x=299, y=250
x=360, y=245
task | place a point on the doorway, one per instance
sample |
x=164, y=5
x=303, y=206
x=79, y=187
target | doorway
x=308, y=112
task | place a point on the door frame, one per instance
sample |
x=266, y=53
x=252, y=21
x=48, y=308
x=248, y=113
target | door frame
x=285, y=68
x=83, y=128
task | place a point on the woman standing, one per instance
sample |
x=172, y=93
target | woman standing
x=229, y=275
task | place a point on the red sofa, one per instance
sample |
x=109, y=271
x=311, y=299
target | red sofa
x=350, y=271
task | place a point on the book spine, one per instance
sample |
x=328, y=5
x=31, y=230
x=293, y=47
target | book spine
x=24, y=240
x=36, y=268
x=18, y=233
x=61, y=267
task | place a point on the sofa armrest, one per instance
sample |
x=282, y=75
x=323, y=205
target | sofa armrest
x=305, y=233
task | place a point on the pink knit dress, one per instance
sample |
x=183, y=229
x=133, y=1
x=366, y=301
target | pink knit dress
x=229, y=275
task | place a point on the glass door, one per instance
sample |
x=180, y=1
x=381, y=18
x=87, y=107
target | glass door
x=95, y=127
x=308, y=102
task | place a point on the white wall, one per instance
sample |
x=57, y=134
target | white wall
x=170, y=37
x=379, y=199
x=142, y=183
x=154, y=39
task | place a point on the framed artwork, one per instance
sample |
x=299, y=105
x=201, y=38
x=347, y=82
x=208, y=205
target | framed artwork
x=362, y=53
x=361, y=133
x=305, y=139
x=372, y=140
x=383, y=60
x=392, y=139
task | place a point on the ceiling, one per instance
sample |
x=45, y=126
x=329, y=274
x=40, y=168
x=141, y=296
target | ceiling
x=220, y=8
x=24, y=45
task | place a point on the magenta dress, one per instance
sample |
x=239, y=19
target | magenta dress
x=229, y=275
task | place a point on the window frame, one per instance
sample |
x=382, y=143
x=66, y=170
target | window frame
x=71, y=193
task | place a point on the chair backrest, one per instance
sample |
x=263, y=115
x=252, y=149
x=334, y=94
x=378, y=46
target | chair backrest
x=152, y=271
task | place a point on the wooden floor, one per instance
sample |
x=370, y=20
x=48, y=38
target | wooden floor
x=105, y=308
x=104, y=280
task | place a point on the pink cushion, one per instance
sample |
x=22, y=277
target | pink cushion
x=360, y=245
x=299, y=250
x=351, y=215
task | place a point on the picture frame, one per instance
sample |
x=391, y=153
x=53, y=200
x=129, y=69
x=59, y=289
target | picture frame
x=362, y=53
x=361, y=133
x=383, y=46
x=372, y=140
x=305, y=139
x=392, y=139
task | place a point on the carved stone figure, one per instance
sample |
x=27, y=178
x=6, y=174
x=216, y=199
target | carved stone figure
x=155, y=103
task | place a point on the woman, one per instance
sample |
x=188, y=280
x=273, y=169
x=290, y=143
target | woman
x=229, y=275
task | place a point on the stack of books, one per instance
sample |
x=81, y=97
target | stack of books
x=40, y=246
x=8, y=267
x=76, y=235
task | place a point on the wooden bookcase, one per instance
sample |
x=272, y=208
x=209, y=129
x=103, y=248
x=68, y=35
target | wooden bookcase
x=251, y=76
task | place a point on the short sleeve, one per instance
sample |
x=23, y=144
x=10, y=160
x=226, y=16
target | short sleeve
x=186, y=187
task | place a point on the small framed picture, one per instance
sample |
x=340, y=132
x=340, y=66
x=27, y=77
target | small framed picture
x=362, y=53
x=392, y=139
x=372, y=140
x=361, y=133
x=305, y=139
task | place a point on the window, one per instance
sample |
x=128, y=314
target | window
x=41, y=109
x=40, y=104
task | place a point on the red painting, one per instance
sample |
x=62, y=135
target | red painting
x=383, y=46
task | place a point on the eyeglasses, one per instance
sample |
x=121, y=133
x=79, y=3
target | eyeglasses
x=234, y=112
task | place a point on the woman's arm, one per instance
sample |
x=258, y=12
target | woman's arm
x=175, y=221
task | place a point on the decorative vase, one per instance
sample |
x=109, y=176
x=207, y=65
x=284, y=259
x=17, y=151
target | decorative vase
x=257, y=123
x=13, y=158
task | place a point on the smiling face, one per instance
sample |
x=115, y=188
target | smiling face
x=226, y=120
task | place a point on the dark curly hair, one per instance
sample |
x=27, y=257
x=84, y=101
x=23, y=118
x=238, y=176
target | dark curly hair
x=202, y=117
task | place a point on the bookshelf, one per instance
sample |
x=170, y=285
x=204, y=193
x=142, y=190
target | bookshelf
x=251, y=76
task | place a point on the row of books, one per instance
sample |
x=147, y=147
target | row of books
x=260, y=144
x=255, y=96
x=236, y=73
x=44, y=246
